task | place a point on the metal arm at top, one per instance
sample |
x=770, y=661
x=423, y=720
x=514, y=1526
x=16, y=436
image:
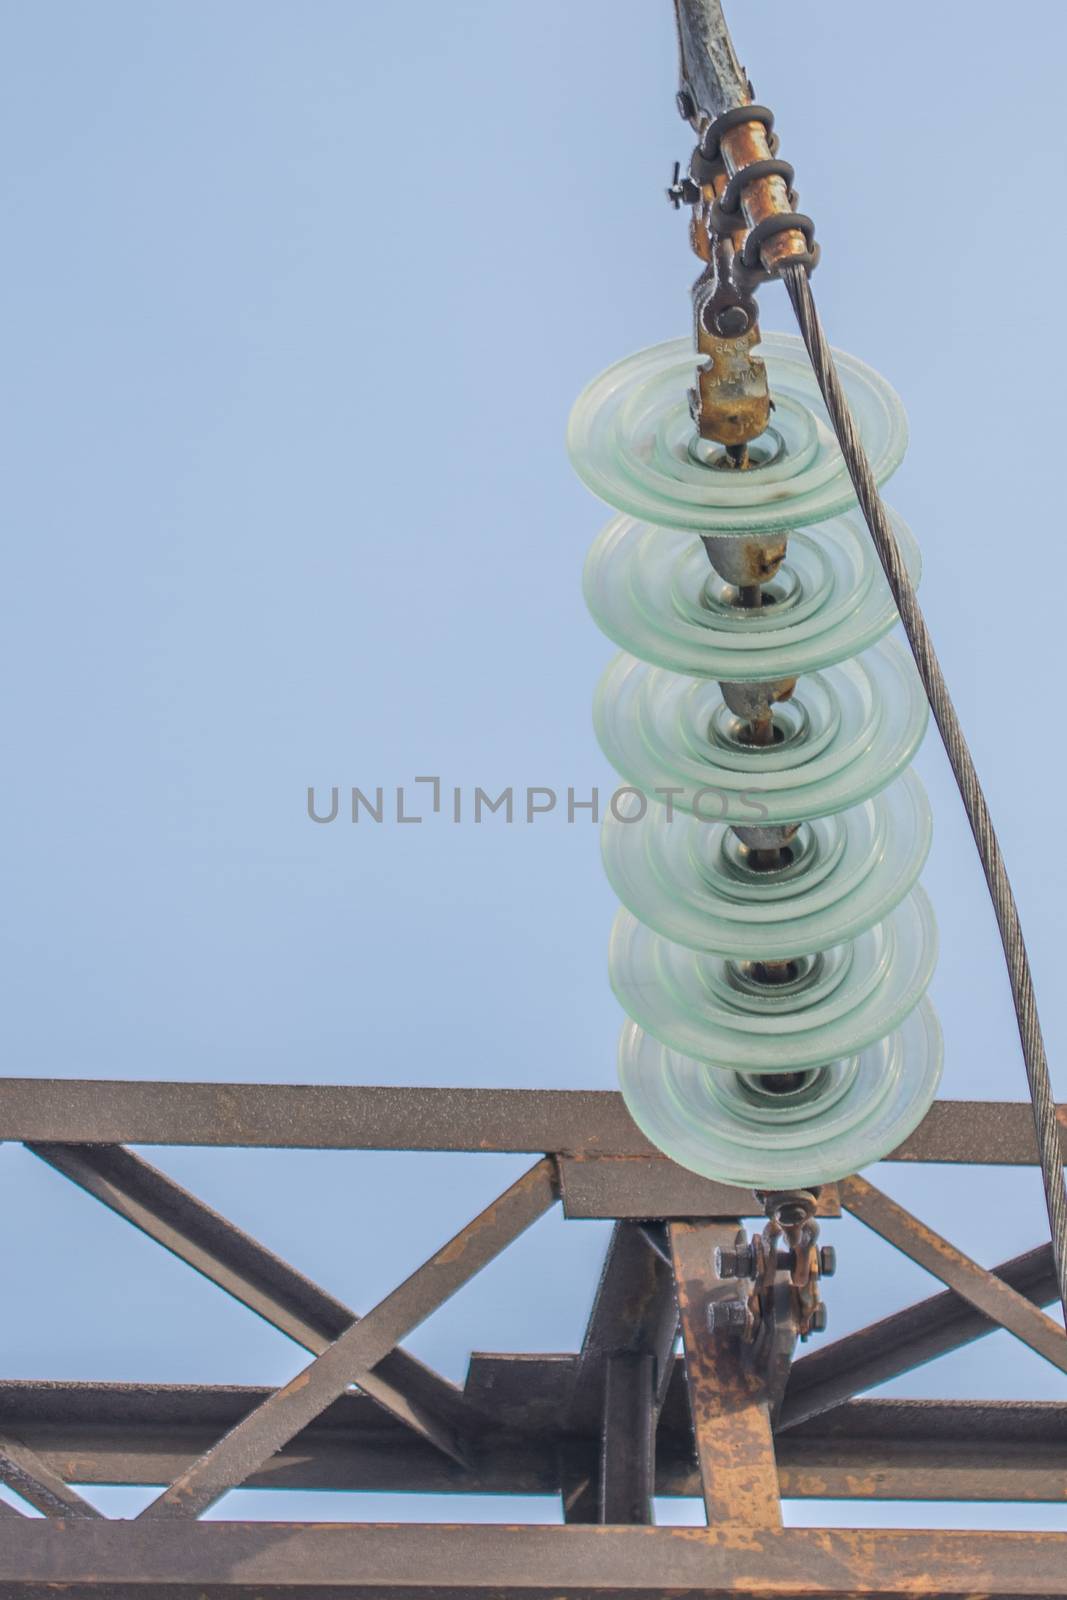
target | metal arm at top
x=711, y=77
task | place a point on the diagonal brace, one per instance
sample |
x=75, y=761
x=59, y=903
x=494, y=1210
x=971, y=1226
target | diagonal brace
x=280, y=1417
x=906, y=1339
x=24, y=1471
x=234, y=1261
x=984, y=1290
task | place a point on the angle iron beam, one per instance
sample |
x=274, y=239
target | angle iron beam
x=897, y=1449
x=633, y=1310
x=235, y=1560
x=306, y=1116
x=628, y=1438
x=618, y=1384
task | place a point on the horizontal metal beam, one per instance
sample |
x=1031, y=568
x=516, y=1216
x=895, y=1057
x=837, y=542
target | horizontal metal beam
x=868, y=1449
x=643, y=1187
x=226, y=1560
x=304, y=1116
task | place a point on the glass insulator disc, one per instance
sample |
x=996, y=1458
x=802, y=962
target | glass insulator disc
x=826, y=1005
x=689, y=880
x=842, y=1117
x=653, y=592
x=633, y=442
x=846, y=734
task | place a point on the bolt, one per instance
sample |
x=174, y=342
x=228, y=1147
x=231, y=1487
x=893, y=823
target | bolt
x=731, y=322
x=726, y=1316
x=686, y=105
x=738, y=1262
x=681, y=189
x=819, y=1318
x=827, y=1260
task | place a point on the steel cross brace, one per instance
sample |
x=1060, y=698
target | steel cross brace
x=622, y=1422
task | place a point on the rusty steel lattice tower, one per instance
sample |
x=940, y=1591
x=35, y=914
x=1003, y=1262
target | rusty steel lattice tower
x=605, y=1428
x=737, y=1419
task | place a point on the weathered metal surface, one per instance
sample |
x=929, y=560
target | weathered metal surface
x=633, y=1312
x=618, y=1383
x=894, y=1449
x=929, y=1450
x=254, y=1561
x=763, y=197
x=252, y=1274
x=983, y=1132
x=835, y=1372
x=312, y=1116
x=708, y=67
x=577, y=1426
x=731, y=1418
x=578, y=1470
x=733, y=401
x=649, y=1186
x=282, y=1416
x=37, y=1483
x=991, y=1295
x=713, y=79
x=627, y=1438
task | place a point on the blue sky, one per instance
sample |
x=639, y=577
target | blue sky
x=297, y=299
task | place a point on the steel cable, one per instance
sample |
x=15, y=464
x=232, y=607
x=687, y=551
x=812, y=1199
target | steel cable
x=963, y=769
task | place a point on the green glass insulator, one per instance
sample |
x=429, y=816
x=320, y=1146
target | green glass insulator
x=833, y=1120
x=652, y=591
x=692, y=881
x=774, y=947
x=846, y=734
x=633, y=442
x=729, y=1014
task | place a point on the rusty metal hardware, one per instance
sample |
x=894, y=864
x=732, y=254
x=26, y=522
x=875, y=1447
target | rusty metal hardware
x=682, y=191
x=778, y=1272
x=745, y=226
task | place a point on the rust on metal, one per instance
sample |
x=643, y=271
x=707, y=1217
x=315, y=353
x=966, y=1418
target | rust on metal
x=733, y=399
x=981, y=1287
x=289, y=1409
x=286, y=1116
x=38, y=1484
x=763, y=197
x=641, y=1187
x=731, y=1415
x=235, y=1561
